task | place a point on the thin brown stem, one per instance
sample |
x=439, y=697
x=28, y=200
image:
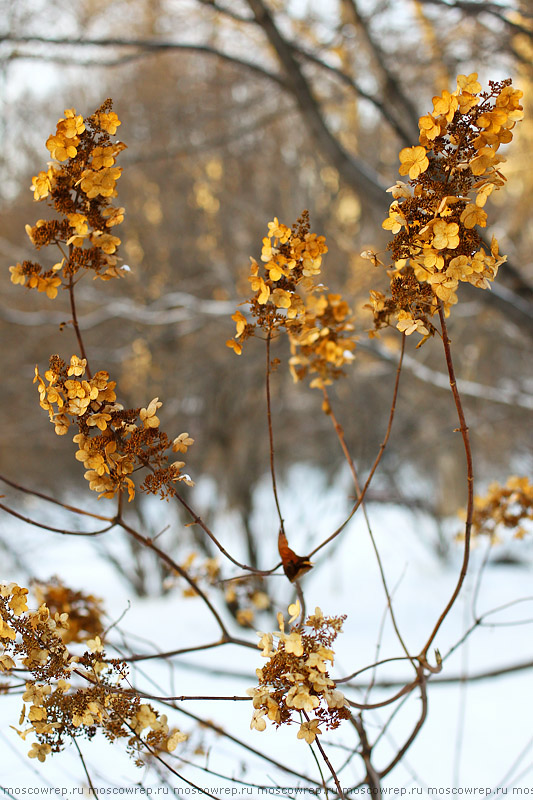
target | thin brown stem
x=377, y=460
x=222, y=732
x=496, y=672
x=175, y=698
x=63, y=531
x=270, y=431
x=368, y=706
x=172, y=653
x=388, y=722
x=342, y=441
x=184, y=650
x=301, y=598
x=319, y=768
x=327, y=762
x=419, y=723
x=463, y=428
x=199, y=521
x=34, y=493
x=76, y=326
x=84, y=765
x=372, y=777
x=370, y=666
x=340, y=435
x=175, y=566
x=155, y=754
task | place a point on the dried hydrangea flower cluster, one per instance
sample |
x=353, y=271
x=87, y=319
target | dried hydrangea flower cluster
x=287, y=296
x=79, y=185
x=112, y=441
x=296, y=680
x=435, y=217
x=56, y=710
x=505, y=507
x=85, y=611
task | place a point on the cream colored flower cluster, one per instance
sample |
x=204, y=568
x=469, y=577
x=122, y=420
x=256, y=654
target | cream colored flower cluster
x=54, y=709
x=296, y=680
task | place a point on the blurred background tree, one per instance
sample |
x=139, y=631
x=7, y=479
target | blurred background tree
x=233, y=113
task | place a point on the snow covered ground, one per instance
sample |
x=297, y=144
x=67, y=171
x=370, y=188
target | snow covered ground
x=477, y=734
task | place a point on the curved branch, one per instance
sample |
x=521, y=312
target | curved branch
x=494, y=394
x=496, y=10
x=64, y=531
x=357, y=173
x=147, y=45
x=146, y=542
x=377, y=459
x=463, y=428
x=34, y=493
x=394, y=94
x=419, y=723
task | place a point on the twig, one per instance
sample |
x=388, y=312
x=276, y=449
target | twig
x=327, y=762
x=89, y=780
x=469, y=478
x=64, y=531
x=422, y=718
x=406, y=689
x=340, y=435
x=75, y=324
x=74, y=509
x=175, y=566
x=372, y=777
x=270, y=432
x=377, y=460
x=199, y=521
x=221, y=732
x=179, y=652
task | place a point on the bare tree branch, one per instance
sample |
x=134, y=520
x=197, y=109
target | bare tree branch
x=394, y=95
x=513, y=297
x=358, y=174
x=168, y=310
x=510, y=397
x=148, y=45
x=493, y=9
x=403, y=132
x=176, y=307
